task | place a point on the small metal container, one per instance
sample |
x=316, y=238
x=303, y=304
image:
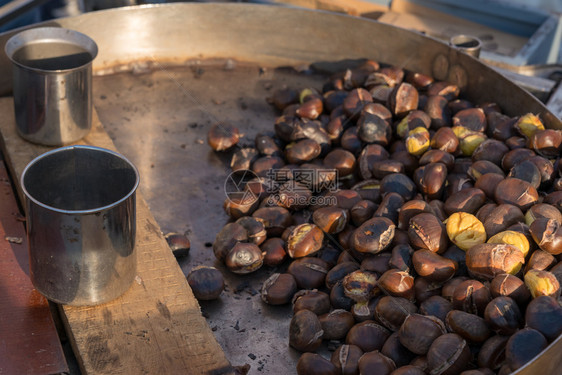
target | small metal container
x=52, y=84
x=81, y=224
x=468, y=44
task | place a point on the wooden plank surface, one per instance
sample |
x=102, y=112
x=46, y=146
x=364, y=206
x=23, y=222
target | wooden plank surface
x=29, y=343
x=156, y=327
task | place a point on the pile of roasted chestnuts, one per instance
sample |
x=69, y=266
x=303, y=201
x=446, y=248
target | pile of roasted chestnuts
x=418, y=231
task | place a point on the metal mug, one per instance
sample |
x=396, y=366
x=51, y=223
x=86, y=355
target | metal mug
x=52, y=84
x=81, y=224
x=468, y=44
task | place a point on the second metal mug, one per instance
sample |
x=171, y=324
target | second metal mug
x=52, y=84
x=81, y=224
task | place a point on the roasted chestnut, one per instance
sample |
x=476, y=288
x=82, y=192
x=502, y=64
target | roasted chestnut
x=244, y=258
x=278, y=289
x=426, y=231
x=397, y=283
x=206, y=282
x=510, y=286
x=418, y=332
x=374, y=235
x=367, y=335
x=469, y=326
x=222, y=137
x=542, y=283
x=305, y=331
x=336, y=324
x=471, y=296
x=486, y=261
x=178, y=243
x=304, y=240
x=465, y=230
x=346, y=359
x=375, y=363
x=449, y=354
x=315, y=364
x=331, y=219
x=432, y=266
x=309, y=273
x=503, y=316
x=523, y=346
x=544, y=314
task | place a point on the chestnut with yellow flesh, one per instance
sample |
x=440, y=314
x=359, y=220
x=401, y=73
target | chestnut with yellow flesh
x=514, y=238
x=417, y=141
x=542, y=283
x=465, y=230
x=305, y=239
x=529, y=124
x=360, y=285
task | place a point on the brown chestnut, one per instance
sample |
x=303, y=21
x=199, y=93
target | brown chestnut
x=206, y=282
x=492, y=352
x=304, y=240
x=178, y=243
x=222, y=137
x=469, y=326
x=503, y=316
x=274, y=251
x=278, y=289
x=516, y=192
x=374, y=235
x=275, y=219
x=510, y=286
x=305, y=331
x=426, y=231
x=367, y=335
x=362, y=211
x=547, y=233
x=346, y=359
x=544, y=314
x=418, y=332
x=244, y=258
x=360, y=285
x=486, y=261
x=397, y=283
x=376, y=363
x=309, y=273
x=315, y=364
x=391, y=311
x=523, y=346
x=394, y=350
x=432, y=266
x=448, y=355
x=336, y=324
x=471, y=296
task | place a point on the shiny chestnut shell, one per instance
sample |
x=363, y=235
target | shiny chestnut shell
x=448, y=355
x=305, y=331
x=206, y=282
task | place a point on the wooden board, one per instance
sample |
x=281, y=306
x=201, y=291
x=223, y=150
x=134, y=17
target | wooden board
x=29, y=343
x=156, y=327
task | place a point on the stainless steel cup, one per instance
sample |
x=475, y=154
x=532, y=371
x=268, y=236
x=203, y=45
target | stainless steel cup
x=80, y=203
x=52, y=84
x=468, y=44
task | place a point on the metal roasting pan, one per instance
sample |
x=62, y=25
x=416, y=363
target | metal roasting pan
x=164, y=73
